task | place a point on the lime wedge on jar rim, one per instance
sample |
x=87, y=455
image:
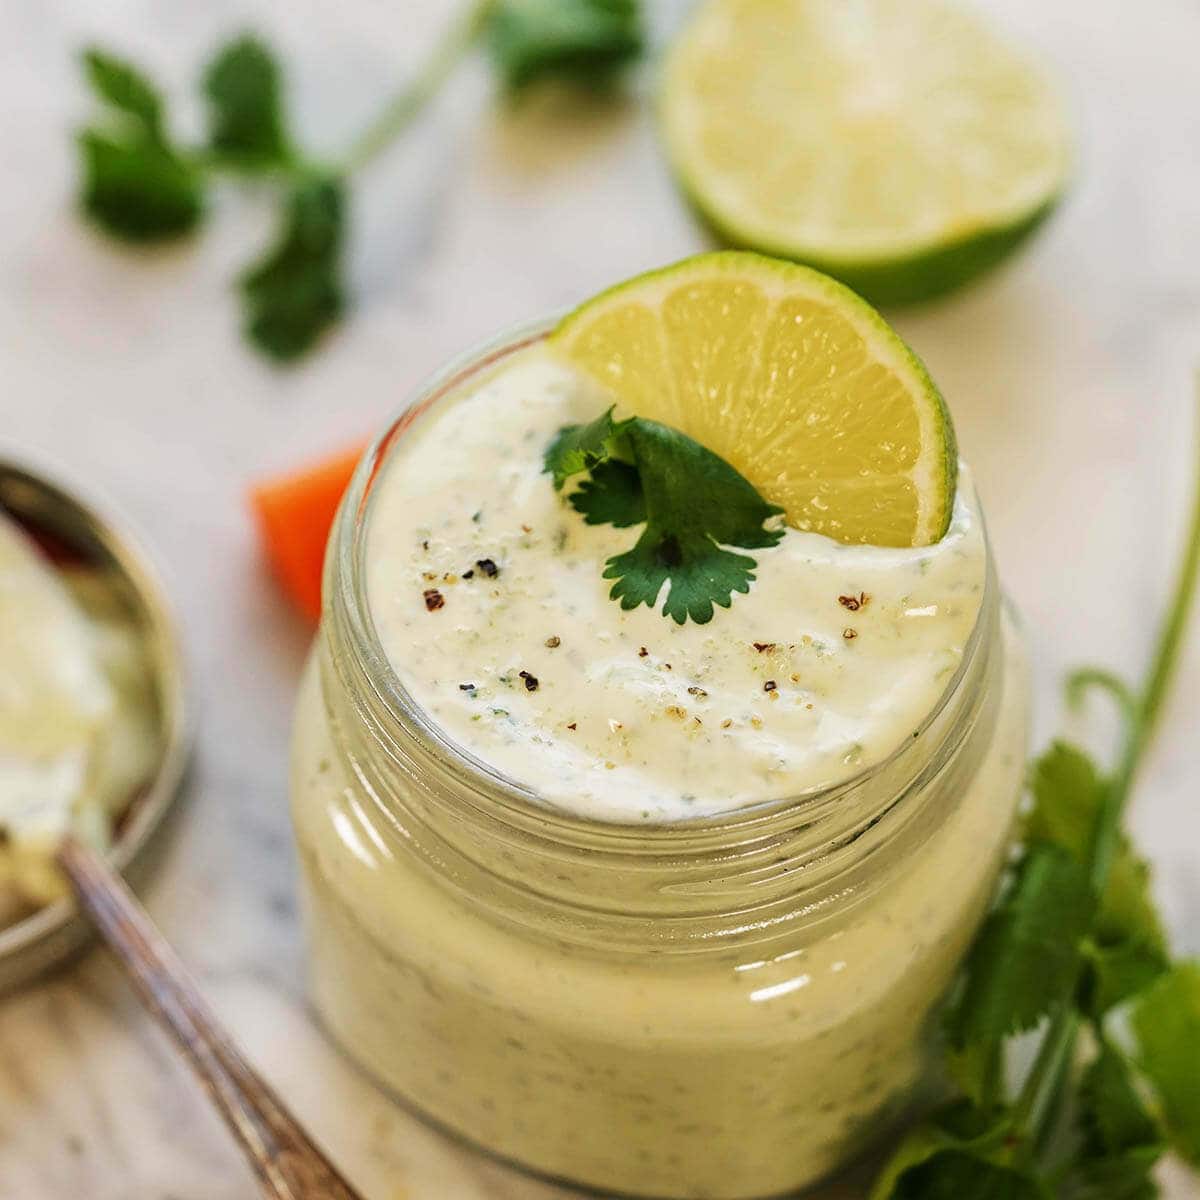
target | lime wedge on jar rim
x=899, y=145
x=788, y=376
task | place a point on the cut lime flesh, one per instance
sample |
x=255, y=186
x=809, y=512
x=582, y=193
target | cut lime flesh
x=896, y=144
x=788, y=376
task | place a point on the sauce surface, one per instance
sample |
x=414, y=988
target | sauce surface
x=486, y=591
x=77, y=732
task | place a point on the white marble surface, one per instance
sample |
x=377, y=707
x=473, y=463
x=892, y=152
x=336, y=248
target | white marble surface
x=1069, y=374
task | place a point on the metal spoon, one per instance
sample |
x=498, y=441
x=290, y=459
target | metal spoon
x=288, y=1164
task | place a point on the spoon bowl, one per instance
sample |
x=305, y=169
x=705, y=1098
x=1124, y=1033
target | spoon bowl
x=76, y=529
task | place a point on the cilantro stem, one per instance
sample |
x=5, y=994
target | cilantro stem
x=410, y=101
x=1149, y=701
x=1167, y=658
x=1035, y=1105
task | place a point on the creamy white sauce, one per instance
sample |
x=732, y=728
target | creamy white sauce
x=835, y=656
x=76, y=731
x=747, y=1072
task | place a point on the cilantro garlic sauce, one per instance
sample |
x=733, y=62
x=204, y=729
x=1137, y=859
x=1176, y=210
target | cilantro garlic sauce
x=487, y=594
x=710, y=1013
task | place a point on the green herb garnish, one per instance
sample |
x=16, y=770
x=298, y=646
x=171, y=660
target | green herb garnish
x=140, y=186
x=243, y=88
x=137, y=185
x=1075, y=950
x=583, y=41
x=295, y=292
x=691, y=502
x=1166, y=1021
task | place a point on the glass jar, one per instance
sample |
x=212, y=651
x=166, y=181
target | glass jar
x=721, y=1007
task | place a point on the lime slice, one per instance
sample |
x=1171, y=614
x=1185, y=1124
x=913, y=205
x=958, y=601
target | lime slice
x=788, y=376
x=897, y=144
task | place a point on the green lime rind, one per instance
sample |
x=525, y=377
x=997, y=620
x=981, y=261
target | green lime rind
x=895, y=282
x=752, y=264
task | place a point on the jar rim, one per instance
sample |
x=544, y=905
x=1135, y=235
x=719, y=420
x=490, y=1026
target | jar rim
x=346, y=605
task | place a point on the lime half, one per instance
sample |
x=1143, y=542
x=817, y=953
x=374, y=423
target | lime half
x=896, y=144
x=788, y=376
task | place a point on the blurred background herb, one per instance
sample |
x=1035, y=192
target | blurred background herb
x=141, y=186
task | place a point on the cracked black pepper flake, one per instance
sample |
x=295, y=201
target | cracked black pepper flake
x=531, y=681
x=434, y=599
x=854, y=603
x=572, y=725
x=642, y=652
x=466, y=687
x=770, y=685
x=697, y=691
x=763, y=647
x=553, y=642
x=849, y=634
x=469, y=574
x=488, y=567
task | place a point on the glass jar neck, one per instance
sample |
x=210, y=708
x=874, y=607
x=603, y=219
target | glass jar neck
x=697, y=884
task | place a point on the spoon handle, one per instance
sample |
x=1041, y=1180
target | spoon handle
x=288, y=1164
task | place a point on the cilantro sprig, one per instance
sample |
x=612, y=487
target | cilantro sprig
x=141, y=185
x=1075, y=950
x=692, y=503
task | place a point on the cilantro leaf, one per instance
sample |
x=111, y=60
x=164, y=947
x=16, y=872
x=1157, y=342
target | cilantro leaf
x=955, y=1174
x=136, y=189
x=1166, y=1021
x=242, y=86
x=1119, y=972
x=135, y=184
x=583, y=41
x=959, y=1125
x=1121, y=1141
x=684, y=483
x=1028, y=952
x=123, y=86
x=579, y=448
x=612, y=496
x=1125, y=1176
x=1127, y=950
x=1111, y=1112
x=693, y=503
x=1127, y=911
x=294, y=293
x=696, y=504
x=699, y=573
x=1067, y=791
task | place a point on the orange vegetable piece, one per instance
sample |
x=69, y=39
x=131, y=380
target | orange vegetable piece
x=294, y=514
